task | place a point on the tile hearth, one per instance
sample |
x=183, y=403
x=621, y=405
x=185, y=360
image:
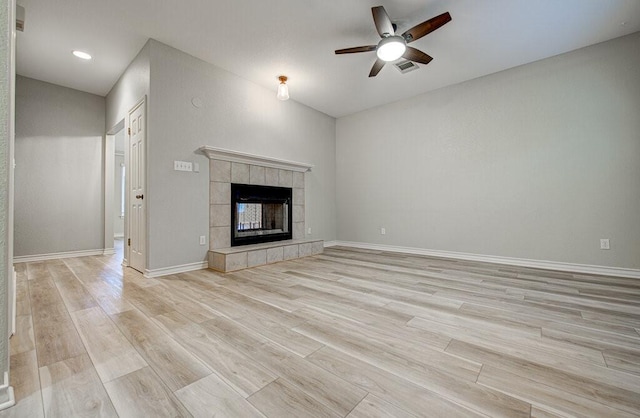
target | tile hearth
x=246, y=256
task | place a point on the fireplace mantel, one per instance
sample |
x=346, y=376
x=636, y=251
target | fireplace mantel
x=214, y=153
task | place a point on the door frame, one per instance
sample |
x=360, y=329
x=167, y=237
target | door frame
x=8, y=91
x=109, y=174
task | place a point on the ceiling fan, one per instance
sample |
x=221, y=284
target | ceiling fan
x=391, y=47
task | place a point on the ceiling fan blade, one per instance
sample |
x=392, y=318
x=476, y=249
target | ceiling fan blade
x=426, y=27
x=382, y=21
x=368, y=48
x=416, y=55
x=377, y=66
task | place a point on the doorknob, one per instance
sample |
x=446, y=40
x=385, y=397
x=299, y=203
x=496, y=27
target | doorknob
x=139, y=196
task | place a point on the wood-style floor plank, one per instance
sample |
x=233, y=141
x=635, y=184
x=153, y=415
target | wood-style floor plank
x=349, y=333
x=280, y=398
x=387, y=386
x=74, y=294
x=623, y=360
x=424, y=374
x=176, y=366
x=72, y=388
x=602, y=393
x=374, y=407
x=211, y=397
x=238, y=370
x=142, y=394
x=56, y=337
x=545, y=397
x=111, y=353
x=26, y=386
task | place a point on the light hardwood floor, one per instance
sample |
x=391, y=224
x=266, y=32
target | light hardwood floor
x=349, y=333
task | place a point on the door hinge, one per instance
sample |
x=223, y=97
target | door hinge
x=129, y=131
x=129, y=242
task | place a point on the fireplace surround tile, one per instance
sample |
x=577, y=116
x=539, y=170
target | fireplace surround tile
x=317, y=247
x=237, y=261
x=256, y=258
x=217, y=261
x=239, y=173
x=220, y=193
x=305, y=249
x=298, y=180
x=298, y=197
x=272, y=176
x=274, y=255
x=256, y=175
x=220, y=171
x=298, y=213
x=219, y=237
x=220, y=215
x=285, y=178
x=291, y=252
x=298, y=230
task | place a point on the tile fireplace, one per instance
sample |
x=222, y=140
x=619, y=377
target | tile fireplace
x=256, y=211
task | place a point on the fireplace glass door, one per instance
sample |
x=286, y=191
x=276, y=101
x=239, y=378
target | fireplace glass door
x=260, y=214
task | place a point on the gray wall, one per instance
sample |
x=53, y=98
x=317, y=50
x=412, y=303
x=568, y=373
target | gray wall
x=59, y=199
x=130, y=88
x=537, y=162
x=237, y=115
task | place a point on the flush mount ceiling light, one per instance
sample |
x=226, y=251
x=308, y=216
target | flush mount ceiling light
x=283, y=89
x=391, y=48
x=82, y=55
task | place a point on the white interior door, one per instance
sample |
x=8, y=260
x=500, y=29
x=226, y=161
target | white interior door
x=136, y=197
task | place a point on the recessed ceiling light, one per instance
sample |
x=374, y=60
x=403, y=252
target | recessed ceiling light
x=82, y=55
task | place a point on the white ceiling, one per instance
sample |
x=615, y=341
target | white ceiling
x=259, y=40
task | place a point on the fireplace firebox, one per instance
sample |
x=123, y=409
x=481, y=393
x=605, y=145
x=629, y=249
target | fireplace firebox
x=260, y=214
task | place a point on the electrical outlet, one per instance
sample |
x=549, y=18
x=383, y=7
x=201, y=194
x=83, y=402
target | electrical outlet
x=383, y=231
x=182, y=166
x=604, y=244
x=203, y=240
x=309, y=231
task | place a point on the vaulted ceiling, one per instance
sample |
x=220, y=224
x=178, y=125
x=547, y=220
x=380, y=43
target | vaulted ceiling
x=259, y=40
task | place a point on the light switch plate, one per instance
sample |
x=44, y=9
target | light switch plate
x=182, y=166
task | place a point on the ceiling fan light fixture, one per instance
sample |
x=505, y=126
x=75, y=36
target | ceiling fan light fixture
x=283, y=89
x=391, y=48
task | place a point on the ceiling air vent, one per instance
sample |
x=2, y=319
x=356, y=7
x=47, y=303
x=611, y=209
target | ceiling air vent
x=406, y=66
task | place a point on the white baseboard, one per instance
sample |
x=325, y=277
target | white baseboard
x=175, y=269
x=53, y=256
x=330, y=243
x=7, y=398
x=108, y=251
x=520, y=262
x=118, y=236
